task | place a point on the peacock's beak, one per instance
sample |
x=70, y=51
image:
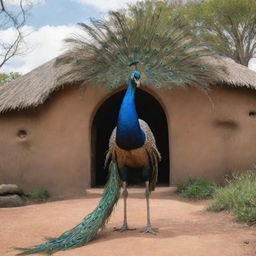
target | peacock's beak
x=137, y=82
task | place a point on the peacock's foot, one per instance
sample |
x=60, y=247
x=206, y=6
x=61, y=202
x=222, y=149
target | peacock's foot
x=124, y=228
x=149, y=229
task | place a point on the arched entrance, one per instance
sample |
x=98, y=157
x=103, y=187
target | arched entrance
x=150, y=110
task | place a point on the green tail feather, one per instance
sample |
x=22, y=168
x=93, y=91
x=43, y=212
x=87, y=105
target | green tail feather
x=88, y=228
x=169, y=55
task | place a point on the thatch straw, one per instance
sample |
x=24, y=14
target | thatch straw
x=235, y=74
x=35, y=87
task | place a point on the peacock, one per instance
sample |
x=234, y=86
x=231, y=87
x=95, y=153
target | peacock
x=136, y=48
x=132, y=145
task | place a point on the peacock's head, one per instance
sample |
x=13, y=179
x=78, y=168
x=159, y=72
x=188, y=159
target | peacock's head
x=135, y=77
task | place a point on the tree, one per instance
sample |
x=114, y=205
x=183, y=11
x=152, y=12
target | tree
x=8, y=77
x=15, y=20
x=228, y=27
x=168, y=12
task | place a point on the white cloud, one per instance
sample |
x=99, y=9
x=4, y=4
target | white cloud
x=25, y=2
x=252, y=64
x=41, y=45
x=106, y=5
x=8, y=35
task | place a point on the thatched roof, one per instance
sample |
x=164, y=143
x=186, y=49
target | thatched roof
x=35, y=87
x=235, y=75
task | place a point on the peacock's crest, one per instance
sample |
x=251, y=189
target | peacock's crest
x=165, y=53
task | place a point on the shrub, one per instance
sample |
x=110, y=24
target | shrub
x=238, y=197
x=198, y=188
x=41, y=194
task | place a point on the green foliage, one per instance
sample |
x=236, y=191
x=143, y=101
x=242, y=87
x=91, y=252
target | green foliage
x=152, y=33
x=228, y=27
x=41, y=194
x=198, y=188
x=238, y=197
x=8, y=77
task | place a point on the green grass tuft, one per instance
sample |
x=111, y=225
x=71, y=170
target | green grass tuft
x=197, y=188
x=238, y=197
x=41, y=194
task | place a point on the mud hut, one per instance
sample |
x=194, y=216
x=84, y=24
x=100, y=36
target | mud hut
x=55, y=135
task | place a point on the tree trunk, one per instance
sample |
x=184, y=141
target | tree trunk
x=242, y=59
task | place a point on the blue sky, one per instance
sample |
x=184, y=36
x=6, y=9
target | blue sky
x=61, y=12
x=49, y=22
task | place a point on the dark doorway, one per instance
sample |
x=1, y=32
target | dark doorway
x=150, y=110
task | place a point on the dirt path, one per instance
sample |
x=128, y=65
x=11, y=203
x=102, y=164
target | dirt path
x=185, y=228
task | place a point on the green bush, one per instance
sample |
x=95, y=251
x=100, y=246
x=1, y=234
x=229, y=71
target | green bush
x=41, y=194
x=238, y=197
x=198, y=188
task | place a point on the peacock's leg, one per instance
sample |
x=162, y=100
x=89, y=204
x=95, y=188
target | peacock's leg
x=148, y=228
x=125, y=223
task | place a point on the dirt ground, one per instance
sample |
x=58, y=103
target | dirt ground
x=185, y=228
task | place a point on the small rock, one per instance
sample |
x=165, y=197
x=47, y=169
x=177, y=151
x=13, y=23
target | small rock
x=10, y=189
x=246, y=242
x=11, y=201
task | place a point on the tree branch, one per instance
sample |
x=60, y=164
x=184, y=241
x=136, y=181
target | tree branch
x=12, y=21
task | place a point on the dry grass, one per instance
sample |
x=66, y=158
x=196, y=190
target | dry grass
x=238, y=197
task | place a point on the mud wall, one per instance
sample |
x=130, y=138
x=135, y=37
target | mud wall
x=50, y=146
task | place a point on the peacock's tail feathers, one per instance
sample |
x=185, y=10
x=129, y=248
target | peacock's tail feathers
x=168, y=54
x=88, y=228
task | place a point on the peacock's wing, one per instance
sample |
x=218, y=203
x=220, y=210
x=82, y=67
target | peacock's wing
x=152, y=151
x=111, y=153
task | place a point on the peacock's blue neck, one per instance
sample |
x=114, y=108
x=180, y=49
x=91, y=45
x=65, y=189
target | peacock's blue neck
x=129, y=134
